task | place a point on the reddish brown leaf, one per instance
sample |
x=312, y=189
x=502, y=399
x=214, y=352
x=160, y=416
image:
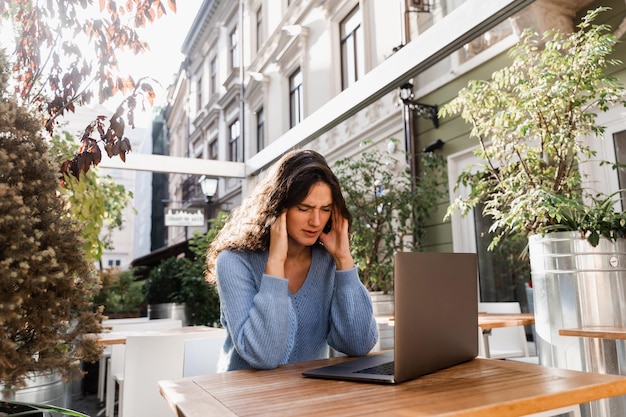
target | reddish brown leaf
x=97, y=156
x=125, y=145
x=109, y=150
x=118, y=127
x=116, y=149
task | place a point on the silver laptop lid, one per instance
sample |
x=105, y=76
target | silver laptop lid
x=436, y=311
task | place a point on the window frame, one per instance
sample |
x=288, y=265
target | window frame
x=233, y=48
x=351, y=48
x=296, y=97
x=234, y=141
x=260, y=128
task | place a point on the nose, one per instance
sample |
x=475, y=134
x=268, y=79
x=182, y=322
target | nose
x=314, y=218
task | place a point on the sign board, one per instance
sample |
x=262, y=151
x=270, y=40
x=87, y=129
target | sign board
x=184, y=217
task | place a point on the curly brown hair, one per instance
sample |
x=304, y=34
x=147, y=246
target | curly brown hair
x=286, y=185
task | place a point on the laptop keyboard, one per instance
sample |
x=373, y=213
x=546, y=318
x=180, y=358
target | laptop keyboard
x=382, y=369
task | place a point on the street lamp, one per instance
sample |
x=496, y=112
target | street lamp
x=209, y=187
x=427, y=111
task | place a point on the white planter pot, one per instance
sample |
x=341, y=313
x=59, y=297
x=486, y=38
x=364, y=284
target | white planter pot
x=383, y=303
x=383, y=309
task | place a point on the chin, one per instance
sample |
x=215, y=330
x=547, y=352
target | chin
x=309, y=241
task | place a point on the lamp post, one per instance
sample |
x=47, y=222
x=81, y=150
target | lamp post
x=209, y=188
x=413, y=107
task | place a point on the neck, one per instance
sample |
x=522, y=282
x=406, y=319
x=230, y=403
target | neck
x=297, y=252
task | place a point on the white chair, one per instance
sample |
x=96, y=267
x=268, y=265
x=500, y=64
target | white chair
x=128, y=320
x=115, y=363
x=505, y=342
x=111, y=324
x=201, y=355
x=150, y=359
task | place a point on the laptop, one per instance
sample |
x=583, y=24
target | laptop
x=435, y=325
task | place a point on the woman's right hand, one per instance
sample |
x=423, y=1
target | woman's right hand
x=278, y=247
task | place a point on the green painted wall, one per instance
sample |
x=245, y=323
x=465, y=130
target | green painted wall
x=454, y=131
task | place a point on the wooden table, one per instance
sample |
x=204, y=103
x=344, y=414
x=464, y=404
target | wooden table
x=602, y=332
x=603, y=347
x=479, y=388
x=119, y=338
x=490, y=321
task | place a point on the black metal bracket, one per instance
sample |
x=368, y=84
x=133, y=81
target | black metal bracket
x=426, y=111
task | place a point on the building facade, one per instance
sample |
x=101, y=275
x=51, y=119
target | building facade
x=264, y=76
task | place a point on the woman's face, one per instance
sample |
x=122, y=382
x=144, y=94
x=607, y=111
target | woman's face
x=306, y=221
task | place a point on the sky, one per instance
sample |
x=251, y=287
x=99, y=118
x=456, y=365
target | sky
x=165, y=37
x=162, y=62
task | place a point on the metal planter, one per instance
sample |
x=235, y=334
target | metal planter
x=169, y=311
x=576, y=285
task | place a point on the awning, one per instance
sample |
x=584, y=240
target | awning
x=144, y=264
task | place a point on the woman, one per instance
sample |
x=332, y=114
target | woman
x=287, y=282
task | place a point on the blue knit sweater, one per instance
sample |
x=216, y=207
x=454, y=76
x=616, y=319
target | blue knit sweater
x=268, y=326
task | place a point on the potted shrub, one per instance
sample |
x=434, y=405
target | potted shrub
x=178, y=285
x=47, y=281
x=530, y=120
x=388, y=209
x=120, y=295
x=162, y=291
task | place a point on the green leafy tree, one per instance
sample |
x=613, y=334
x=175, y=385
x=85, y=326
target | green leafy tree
x=529, y=120
x=389, y=209
x=97, y=201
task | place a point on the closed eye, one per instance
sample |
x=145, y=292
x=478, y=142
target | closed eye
x=306, y=208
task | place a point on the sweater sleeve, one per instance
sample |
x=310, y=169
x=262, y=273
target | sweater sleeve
x=257, y=309
x=353, y=329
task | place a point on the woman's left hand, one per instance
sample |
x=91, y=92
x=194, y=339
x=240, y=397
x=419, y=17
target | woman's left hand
x=337, y=241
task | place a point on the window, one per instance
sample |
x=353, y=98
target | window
x=260, y=125
x=619, y=142
x=213, y=75
x=114, y=262
x=296, y=101
x=234, y=56
x=233, y=143
x=502, y=273
x=352, y=49
x=199, y=94
x=213, y=149
x=485, y=41
x=259, y=28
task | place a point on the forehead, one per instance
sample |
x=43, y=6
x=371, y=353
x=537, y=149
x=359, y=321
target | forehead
x=319, y=194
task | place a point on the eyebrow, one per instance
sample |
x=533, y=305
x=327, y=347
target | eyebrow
x=310, y=206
